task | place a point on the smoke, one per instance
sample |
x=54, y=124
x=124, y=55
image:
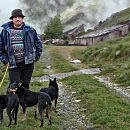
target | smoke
x=73, y=12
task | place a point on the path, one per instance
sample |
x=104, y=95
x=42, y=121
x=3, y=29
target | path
x=68, y=106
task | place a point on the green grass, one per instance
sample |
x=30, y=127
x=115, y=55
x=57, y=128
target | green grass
x=104, y=108
x=38, y=68
x=59, y=63
x=104, y=55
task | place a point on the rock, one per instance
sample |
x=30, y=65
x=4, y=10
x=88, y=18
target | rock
x=118, y=52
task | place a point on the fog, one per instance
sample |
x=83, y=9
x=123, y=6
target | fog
x=39, y=12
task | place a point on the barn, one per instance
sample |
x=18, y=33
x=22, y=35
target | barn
x=111, y=32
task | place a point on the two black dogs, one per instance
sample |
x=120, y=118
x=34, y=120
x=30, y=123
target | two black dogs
x=27, y=98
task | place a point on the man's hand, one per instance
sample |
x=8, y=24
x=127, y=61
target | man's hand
x=8, y=64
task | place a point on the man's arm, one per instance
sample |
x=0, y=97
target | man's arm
x=38, y=45
x=3, y=54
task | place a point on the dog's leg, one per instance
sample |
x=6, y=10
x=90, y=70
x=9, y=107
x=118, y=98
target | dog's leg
x=35, y=115
x=41, y=115
x=9, y=115
x=24, y=111
x=55, y=105
x=15, y=114
x=1, y=116
x=48, y=114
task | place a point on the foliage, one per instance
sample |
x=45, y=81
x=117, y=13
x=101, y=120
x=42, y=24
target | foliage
x=54, y=28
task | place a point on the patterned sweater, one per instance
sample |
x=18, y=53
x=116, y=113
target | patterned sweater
x=17, y=43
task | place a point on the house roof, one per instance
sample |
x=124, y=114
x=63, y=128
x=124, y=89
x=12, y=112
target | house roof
x=103, y=31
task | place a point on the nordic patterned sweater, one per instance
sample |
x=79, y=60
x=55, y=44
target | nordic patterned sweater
x=17, y=43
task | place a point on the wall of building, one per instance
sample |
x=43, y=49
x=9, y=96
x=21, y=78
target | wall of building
x=115, y=33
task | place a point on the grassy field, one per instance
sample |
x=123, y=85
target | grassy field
x=112, y=56
x=102, y=106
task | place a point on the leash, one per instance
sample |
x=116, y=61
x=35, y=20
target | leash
x=4, y=76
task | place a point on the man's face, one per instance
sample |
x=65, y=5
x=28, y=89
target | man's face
x=18, y=21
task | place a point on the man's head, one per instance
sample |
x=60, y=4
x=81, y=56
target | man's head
x=17, y=17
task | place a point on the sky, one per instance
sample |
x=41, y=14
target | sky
x=6, y=6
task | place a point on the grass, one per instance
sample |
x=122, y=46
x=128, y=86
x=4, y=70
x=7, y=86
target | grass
x=38, y=68
x=113, y=56
x=59, y=63
x=105, y=109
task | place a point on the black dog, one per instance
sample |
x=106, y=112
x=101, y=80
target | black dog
x=28, y=98
x=52, y=91
x=11, y=103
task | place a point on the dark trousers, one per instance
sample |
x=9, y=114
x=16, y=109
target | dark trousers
x=22, y=73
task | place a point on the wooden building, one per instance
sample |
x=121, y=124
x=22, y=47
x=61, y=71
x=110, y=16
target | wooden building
x=111, y=32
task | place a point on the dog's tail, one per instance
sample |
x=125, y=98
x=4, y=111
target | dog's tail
x=49, y=101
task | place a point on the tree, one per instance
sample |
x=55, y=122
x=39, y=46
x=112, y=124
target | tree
x=54, y=28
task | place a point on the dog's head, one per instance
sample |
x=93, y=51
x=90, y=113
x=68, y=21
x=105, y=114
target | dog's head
x=14, y=86
x=53, y=83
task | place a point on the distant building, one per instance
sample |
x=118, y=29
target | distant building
x=111, y=32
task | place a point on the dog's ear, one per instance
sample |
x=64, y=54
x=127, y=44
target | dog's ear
x=20, y=84
x=55, y=80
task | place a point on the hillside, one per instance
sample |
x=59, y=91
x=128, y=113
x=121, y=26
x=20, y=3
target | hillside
x=115, y=18
x=73, y=12
x=113, y=56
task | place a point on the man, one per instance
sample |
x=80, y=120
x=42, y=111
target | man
x=20, y=47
